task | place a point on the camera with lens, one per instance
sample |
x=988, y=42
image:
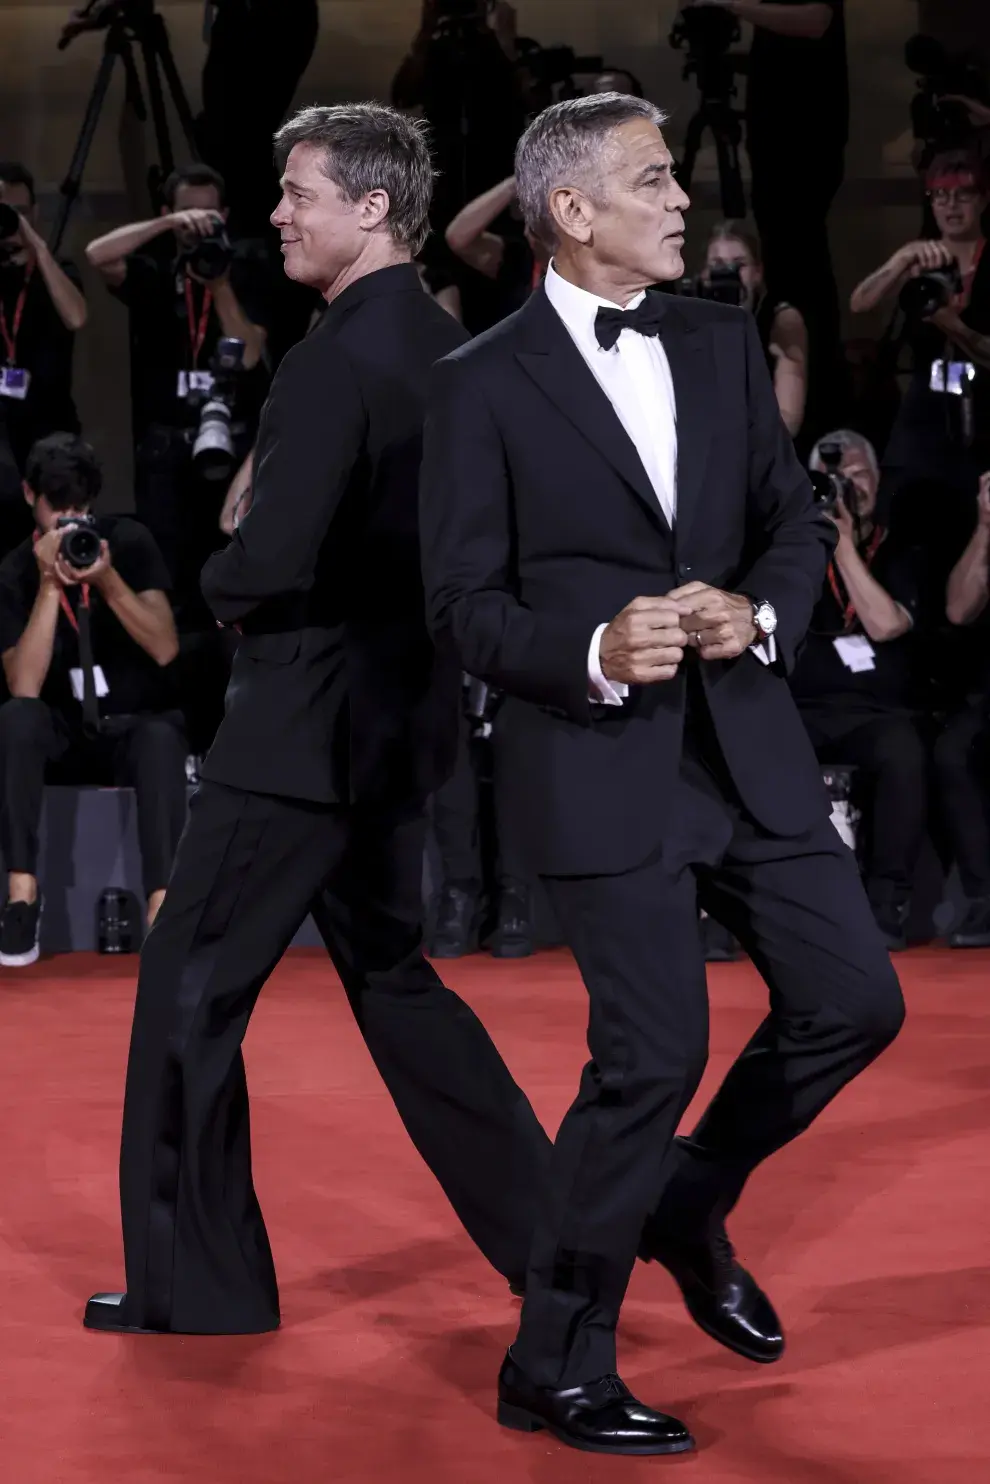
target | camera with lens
x=209, y=257
x=213, y=444
x=830, y=487
x=79, y=547
x=722, y=283
x=935, y=120
x=706, y=32
x=921, y=297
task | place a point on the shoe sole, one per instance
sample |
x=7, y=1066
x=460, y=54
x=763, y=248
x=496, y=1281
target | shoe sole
x=519, y=1420
x=20, y=960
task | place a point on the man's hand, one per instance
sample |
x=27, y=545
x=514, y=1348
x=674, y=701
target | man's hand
x=841, y=518
x=198, y=221
x=923, y=256
x=979, y=113
x=46, y=555
x=644, y=644
x=719, y=625
x=983, y=502
x=94, y=575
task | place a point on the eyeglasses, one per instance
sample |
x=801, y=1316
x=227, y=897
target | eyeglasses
x=961, y=195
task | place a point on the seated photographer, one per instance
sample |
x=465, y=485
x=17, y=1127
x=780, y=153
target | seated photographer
x=41, y=308
x=733, y=249
x=190, y=292
x=937, y=445
x=962, y=751
x=854, y=679
x=86, y=634
x=513, y=260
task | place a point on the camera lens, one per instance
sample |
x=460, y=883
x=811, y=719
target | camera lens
x=213, y=450
x=210, y=258
x=10, y=222
x=80, y=547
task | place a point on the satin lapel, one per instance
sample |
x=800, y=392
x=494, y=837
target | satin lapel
x=693, y=371
x=550, y=357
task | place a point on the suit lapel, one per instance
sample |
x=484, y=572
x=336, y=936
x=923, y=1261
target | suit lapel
x=693, y=372
x=554, y=362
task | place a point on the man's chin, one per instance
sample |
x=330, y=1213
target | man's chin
x=670, y=264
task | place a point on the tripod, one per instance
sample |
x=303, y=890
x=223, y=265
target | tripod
x=725, y=125
x=131, y=22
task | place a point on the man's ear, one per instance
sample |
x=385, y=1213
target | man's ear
x=29, y=494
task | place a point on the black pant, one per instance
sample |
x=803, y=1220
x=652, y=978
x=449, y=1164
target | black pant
x=249, y=868
x=962, y=771
x=891, y=751
x=458, y=819
x=799, y=910
x=146, y=752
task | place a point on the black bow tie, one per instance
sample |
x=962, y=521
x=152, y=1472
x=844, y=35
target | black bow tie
x=645, y=319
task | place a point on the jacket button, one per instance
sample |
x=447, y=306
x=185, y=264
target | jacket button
x=684, y=571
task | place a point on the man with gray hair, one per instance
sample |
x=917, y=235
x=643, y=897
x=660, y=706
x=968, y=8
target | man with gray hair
x=617, y=534
x=341, y=718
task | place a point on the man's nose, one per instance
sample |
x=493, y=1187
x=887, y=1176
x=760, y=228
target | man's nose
x=278, y=216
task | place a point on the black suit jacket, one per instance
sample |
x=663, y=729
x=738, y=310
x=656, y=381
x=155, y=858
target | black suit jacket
x=337, y=692
x=539, y=523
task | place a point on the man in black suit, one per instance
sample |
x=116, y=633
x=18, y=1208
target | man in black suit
x=339, y=719
x=617, y=534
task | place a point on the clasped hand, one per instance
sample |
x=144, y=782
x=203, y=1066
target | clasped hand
x=53, y=567
x=645, y=644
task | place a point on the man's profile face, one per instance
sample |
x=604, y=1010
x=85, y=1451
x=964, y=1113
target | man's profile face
x=637, y=214
x=195, y=198
x=320, y=228
x=856, y=467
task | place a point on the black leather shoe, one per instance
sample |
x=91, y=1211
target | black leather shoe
x=600, y=1417
x=973, y=928
x=106, y=1311
x=458, y=923
x=721, y=1297
x=513, y=935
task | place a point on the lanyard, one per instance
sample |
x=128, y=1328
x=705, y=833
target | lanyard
x=10, y=332
x=961, y=301
x=197, y=336
x=64, y=603
x=849, y=611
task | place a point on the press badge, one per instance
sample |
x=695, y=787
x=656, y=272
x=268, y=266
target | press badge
x=856, y=652
x=100, y=683
x=953, y=377
x=193, y=382
x=14, y=382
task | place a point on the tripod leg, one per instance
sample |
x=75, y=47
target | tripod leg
x=729, y=173
x=159, y=116
x=69, y=189
x=692, y=143
x=173, y=82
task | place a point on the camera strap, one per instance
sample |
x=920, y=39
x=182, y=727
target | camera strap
x=848, y=609
x=197, y=334
x=80, y=622
x=11, y=329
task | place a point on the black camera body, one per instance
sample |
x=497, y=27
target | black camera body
x=930, y=291
x=706, y=33
x=937, y=122
x=10, y=226
x=80, y=545
x=209, y=257
x=722, y=283
x=552, y=65
x=213, y=444
x=830, y=487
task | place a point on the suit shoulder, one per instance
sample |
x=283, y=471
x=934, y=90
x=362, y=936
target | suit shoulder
x=708, y=311
x=489, y=347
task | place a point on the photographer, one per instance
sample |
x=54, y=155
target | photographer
x=962, y=751
x=515, y=262
x=783, y=333
x=86, y=634
x=186, y=288
x=854, y=680
x=41, y=308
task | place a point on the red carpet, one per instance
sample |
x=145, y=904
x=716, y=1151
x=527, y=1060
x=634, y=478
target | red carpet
x=871, y=1233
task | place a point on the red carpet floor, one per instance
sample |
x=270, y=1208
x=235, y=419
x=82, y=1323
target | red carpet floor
x=872, y=1234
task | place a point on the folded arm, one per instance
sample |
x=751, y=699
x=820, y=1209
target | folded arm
x=311, y=434
x=466, y=528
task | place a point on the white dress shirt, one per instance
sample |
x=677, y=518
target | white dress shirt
x=635, y=377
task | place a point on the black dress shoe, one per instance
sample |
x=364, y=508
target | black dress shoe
x=107, y=1311
x=971, y=931
x=721, y=1297
x=513, y=935
x=457, y=930
x=599, y=1417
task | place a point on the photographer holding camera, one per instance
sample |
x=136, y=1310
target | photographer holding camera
x=515, y=261
x=734, y=259
x=41, y=308
x=86, y=634
x=854, y=681
x=191, y=294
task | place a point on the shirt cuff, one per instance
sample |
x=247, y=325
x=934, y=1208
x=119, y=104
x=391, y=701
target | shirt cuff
x=607, y=692
x=766, y=651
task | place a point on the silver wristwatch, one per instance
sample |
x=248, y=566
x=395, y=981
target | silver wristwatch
x=764, y=617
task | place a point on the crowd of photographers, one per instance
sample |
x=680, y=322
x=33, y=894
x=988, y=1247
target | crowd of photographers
x=113, y=669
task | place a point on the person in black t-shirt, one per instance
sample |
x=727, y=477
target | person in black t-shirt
x=86, y=656
x=783, y=333
x=176, y=321
x=854, y=683
x=41, y=308
x=513, y=260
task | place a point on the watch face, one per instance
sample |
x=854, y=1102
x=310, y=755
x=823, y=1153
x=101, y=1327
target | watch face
x=766, y=619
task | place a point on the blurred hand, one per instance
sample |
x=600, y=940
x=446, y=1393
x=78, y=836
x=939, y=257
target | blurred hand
x=983, y=502
x=923, y=256
x=644, y=644
x=841, y=518
x=94, y=575
x=198, y=222
x=979, y=113
x=46, y=555
x=720, y=625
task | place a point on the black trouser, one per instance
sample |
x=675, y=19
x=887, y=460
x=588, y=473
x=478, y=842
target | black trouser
x=249, y=868
x=458, y=818
x=962, y=771
x=891, y=751
x=146, y=752
x=798, y=909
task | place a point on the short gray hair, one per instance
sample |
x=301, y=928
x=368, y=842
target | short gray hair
x=849, y=441
x=370, y=147
x=563, y=146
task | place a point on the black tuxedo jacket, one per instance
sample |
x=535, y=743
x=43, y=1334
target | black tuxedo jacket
x=338, y=693
x=539, y=523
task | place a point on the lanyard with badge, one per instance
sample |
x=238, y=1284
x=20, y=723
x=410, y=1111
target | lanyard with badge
x=951, y=377
x=88, y=681
x=854, y=650
x=195, y=381
x=14, y=380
